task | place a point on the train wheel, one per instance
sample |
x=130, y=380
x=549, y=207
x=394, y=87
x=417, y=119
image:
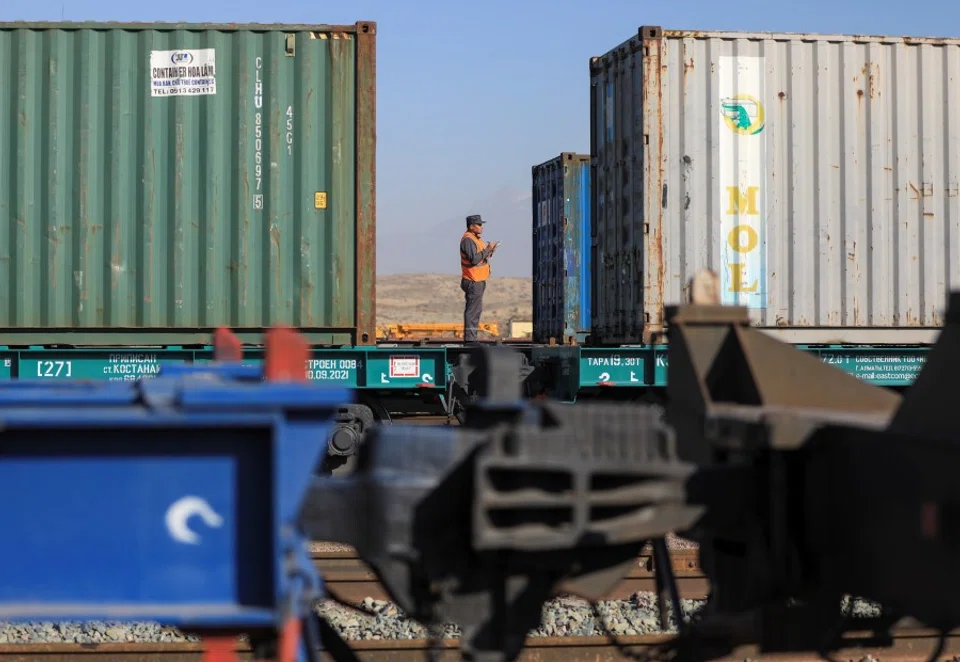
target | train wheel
x=347, y=435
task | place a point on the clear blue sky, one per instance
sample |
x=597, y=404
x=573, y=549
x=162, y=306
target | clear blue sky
x=471, y=95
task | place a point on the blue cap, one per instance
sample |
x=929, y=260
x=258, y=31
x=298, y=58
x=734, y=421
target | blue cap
x=474, y=220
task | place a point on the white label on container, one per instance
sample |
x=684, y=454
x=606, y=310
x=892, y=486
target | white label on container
x=184, y=73
x=404, y=366
x=742, y=182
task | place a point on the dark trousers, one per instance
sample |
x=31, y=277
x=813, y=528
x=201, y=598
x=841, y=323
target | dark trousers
x=472, y=307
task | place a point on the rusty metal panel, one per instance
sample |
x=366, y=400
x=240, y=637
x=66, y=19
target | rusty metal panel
x=561, y=248
x=818, y=176
x=158, y=181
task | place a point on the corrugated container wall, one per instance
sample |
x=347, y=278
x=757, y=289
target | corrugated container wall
x=158, y=181
x=817, y=176
x=561, y=249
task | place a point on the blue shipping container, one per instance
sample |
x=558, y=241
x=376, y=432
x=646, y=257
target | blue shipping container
x=561, y=249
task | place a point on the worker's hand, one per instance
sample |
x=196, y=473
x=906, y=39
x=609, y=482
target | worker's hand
x=493, y=247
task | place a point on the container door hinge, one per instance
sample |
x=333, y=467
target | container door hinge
x=290, y=45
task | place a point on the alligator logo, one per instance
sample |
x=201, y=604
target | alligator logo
x=743, y=114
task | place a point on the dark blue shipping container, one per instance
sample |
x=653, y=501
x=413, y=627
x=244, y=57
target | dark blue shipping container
x=561, y=249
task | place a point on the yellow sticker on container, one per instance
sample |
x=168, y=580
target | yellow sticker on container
x=320, y=200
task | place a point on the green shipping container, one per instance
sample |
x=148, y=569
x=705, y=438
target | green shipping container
x=159, y=181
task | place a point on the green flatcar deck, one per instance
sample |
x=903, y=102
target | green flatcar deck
x=353, y=367
x=573, y=370
x=567, y=370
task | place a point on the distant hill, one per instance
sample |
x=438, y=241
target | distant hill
x=437, y=298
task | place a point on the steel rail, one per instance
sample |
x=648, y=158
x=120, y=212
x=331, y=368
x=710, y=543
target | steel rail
x=349, y=579
x=907, y=645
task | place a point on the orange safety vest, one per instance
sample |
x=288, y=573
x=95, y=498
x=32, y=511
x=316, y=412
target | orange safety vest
x=467, y=270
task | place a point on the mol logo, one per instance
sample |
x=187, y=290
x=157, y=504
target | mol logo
x=742, y=152
x=743, y=114
x=181, y=58
x=743, y=238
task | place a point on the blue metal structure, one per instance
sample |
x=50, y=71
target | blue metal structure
x=177, y=497
x=561, y=249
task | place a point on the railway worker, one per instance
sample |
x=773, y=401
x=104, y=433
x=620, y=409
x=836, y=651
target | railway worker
x=475, y=256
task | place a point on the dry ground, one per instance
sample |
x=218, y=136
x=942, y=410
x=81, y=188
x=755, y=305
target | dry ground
x=437, y=298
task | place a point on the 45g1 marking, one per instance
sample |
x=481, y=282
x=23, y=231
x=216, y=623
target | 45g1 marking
x=289, y=136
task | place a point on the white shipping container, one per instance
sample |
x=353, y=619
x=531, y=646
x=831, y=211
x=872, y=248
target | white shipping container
x=817, y=175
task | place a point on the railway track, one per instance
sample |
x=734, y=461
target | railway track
x=419, y=419
x=908, y=645
x=351, y=580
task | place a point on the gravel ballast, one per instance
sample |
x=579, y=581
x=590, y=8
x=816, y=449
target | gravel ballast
x=564, y=617
x=376, y=619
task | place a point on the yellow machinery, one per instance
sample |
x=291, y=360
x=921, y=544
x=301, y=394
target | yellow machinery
x=420, y=330
x=521, y=329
